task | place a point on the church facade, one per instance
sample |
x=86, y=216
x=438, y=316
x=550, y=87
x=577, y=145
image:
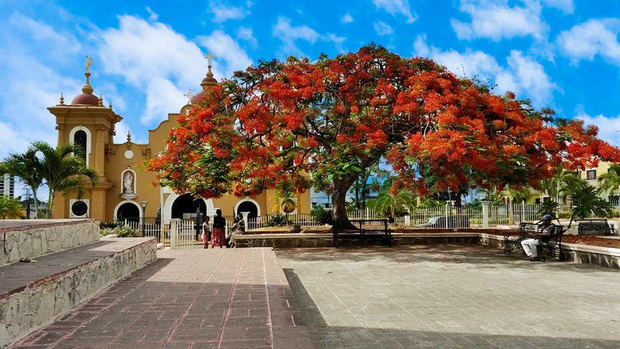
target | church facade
x=125, y=189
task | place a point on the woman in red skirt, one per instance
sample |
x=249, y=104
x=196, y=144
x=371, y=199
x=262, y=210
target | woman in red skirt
x=218, y=237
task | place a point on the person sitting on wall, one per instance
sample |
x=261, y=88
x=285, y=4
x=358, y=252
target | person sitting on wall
x=530, y=246
x=238, y=227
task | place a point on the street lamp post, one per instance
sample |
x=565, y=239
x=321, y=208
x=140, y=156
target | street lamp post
x=143, y=203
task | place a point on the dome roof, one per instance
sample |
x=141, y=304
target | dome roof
x=207, y=82
x=85, y=98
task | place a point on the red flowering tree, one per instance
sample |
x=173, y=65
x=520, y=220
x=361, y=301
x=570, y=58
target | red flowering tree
x=297, y=124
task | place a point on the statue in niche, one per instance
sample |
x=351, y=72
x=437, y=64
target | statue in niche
x=128, y=183
x=128, y=186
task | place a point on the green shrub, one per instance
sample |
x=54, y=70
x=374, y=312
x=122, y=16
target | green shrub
x=126, y=231
x=106, y=231
x=278, y=220
x=322, y=215
x=109, y=225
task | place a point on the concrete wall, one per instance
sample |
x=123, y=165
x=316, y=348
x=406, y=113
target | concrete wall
x=42, y=302
x=32, y=238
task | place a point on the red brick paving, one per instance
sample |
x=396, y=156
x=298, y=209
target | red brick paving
x=194, y=298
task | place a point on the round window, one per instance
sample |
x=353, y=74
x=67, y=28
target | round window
x=79, y=208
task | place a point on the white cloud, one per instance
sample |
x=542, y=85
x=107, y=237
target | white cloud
x=152, y=15
x=395, y=7
x=222, y=13
x=31, y=85
x=496, y=19
x=608, y=127
x=122, y=128
x=289, y=34
x=567, y=6
x=145, y=54
x=247, y=34
x=163, y=63
x=346, y=18
x=57, y=45
x=337, y=40
x=592, y=38
x=383, y=28
x=521, y=75
x=226, y=49
x=531, y=77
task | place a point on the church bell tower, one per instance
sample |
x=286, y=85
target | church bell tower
x=87, y=123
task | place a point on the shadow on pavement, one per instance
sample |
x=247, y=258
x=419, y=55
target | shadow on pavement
x=326, y=336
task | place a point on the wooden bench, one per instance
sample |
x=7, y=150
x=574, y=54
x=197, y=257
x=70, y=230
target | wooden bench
x=553, y=248
x=595, y=227
x=358, y=229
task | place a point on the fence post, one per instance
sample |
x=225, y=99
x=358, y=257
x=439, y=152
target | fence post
x=174, y=231
x=485, y=214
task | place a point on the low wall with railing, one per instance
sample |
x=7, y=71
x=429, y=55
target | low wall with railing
x=445, y=217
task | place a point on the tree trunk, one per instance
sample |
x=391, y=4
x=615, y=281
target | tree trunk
x=50, y=205
x=36, y=204
x=339, y=197
x=458, y=201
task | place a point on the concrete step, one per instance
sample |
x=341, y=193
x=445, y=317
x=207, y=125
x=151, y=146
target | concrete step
x=30, y=238
x=35, y=294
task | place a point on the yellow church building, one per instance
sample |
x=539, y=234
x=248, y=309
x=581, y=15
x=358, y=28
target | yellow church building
x=125, y=188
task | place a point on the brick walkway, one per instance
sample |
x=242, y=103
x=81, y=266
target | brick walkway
x=451, y=297
x=223, y=298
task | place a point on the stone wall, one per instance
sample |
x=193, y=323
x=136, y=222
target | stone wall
x=42, y=302
x=32, y=238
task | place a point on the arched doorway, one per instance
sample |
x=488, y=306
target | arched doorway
x=186, y=206
x=247, y=206
x=128, y=211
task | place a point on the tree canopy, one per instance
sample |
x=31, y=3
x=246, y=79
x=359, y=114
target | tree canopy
x=299, y=124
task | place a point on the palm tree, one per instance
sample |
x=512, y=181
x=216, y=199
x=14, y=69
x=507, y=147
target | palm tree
x=26, y=166
x=553, y=186
x=63, y=172
x=390, y=204
x=586, y=200
x=610, y=181
x=10, y=208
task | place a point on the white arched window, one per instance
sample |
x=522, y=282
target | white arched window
x=81, y=137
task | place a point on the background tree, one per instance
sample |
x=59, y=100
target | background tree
x=586, y=200
x=554, y=185
x=11, y=208
x=610, y=181
x=63, y=172
x=320, y=123
x=390, y=203
x=27, y=167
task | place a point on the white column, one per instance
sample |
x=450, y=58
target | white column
x=485, y=214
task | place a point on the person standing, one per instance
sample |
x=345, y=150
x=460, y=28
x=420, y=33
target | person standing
x=218, y=237
x=206, y=232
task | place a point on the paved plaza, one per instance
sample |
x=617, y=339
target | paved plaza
x=451, y=297
x=371, y=297
x=192, y=298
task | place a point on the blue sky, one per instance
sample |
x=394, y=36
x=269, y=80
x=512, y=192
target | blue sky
x=564, y=54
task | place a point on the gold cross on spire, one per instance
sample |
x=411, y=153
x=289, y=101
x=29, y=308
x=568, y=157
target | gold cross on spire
x=189, y=96
x=209, y=58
